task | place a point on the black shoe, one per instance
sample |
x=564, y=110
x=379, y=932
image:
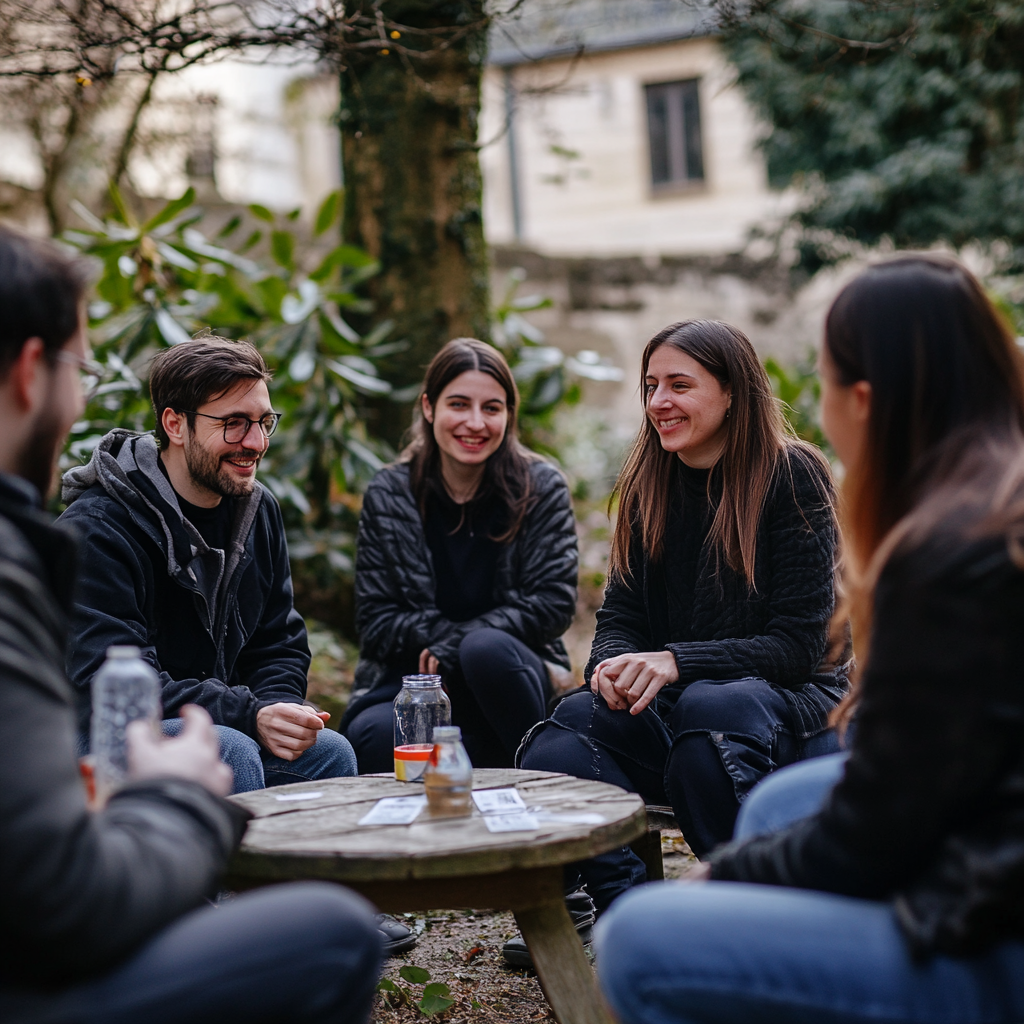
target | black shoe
x=397, y=936
x=581, y=911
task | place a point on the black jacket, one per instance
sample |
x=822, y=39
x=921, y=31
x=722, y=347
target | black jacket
x=779, y=633
x=396, y=612
x=930, y=811
x=79, y=891
x=220, y=628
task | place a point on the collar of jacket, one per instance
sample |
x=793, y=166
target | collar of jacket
x=53, y=545
x=126, y=465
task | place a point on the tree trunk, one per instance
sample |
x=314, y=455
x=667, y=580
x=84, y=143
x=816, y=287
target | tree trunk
x=413, y=185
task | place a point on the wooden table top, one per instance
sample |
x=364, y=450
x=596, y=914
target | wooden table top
x=320, y=837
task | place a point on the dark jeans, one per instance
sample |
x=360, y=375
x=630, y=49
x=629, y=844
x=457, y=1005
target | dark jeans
x=307, y=952
x=701, y=749
x=498, y=692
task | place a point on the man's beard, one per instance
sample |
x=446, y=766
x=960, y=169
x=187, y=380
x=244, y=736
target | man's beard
x=206, y=471
x=37, y=461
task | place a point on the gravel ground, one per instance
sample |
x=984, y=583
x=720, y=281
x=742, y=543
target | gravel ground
x=462, y=949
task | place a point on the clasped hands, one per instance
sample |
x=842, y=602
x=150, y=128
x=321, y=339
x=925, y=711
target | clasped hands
x=629, y=682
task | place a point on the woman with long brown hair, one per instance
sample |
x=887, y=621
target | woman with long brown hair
x=466, y=566
x=711, y=663
x=891, y=879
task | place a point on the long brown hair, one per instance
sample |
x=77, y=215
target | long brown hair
x=945, y=433
x=507, y=472
x=755, y=446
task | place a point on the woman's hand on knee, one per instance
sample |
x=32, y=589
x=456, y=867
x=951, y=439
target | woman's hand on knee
x=633, y=680
x=429, y=665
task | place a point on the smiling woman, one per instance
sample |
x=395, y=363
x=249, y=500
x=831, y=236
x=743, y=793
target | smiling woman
x=466, y=566
x=712, y=661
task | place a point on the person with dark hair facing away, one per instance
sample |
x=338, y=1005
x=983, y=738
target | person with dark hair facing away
x=466, y=565
x=711, y=663
x=886, y=884
x=105, y=909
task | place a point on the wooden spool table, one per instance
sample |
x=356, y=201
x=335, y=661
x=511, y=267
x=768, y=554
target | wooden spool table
x=453, y=863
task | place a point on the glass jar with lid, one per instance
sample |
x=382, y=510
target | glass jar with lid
x=420, y=707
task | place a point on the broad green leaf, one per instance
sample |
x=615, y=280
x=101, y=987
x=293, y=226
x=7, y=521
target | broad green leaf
x=328, y=212
x=372, y=385
x=170, y=211
x=282, y=248
x=294, y=214
x=171, y=331
x=231, y=227
x=436, y=999
x=414, y=975
x=342, y=256
x=386, y=985
x=121, y=211
x=262, y=212
x=253, y=238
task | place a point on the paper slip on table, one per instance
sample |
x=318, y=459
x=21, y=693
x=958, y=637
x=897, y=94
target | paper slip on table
x=453, y=863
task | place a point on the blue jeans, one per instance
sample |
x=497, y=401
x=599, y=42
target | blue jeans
x=734, y=953
x=331, y=757
x=307, y=952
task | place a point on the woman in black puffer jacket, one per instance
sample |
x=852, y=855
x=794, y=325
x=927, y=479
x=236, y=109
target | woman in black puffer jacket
x=711, y=664
x=466, y=565
x=889, y=882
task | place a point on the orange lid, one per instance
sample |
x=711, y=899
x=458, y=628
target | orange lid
x=414, y=751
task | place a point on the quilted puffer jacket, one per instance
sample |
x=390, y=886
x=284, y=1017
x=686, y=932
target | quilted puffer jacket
x=778, y=632
x=396, y=612
x=930, y=810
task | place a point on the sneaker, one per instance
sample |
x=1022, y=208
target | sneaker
x=397, y=936
x=581, y=911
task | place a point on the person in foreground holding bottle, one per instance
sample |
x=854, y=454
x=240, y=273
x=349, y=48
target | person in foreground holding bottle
x=887, y=884
x=711, y=663
x=466, y=566
x=184, y=554
x=104, y=909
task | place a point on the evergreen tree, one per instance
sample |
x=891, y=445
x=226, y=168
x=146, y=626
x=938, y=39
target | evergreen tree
x=897, y=118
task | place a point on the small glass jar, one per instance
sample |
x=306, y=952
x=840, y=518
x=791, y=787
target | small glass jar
x=421, y=706
x=449, y=776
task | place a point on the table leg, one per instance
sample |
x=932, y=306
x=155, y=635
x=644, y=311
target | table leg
x=562, y=967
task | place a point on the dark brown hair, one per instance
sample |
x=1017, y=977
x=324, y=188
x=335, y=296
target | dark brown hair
x=41, y=294
x=189, y=375
x=507, y=473
x=945, y=433
x=755, y=446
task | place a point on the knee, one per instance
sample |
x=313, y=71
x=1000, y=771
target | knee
x=235, y=745
x=480, y=648
x=715, y=707
x=339, y=757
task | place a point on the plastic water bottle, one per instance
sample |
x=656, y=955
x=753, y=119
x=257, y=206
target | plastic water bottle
x=449, y=776
x=124, y=690
x=420, y=706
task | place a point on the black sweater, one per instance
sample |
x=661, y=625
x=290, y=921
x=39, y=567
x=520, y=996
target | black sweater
x=930, y=810
x=723, y=631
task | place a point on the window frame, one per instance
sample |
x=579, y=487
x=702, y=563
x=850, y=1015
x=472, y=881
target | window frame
x=679, y=95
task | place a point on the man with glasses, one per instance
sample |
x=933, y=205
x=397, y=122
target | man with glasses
x=105, y=908
x=184, y=555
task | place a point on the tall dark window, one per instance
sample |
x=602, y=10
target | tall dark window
x=673, y=124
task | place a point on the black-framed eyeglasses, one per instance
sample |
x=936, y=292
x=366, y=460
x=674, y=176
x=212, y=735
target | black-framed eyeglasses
x=236, y=428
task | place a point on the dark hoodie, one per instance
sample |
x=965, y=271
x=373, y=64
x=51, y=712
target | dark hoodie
x=219, y=626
